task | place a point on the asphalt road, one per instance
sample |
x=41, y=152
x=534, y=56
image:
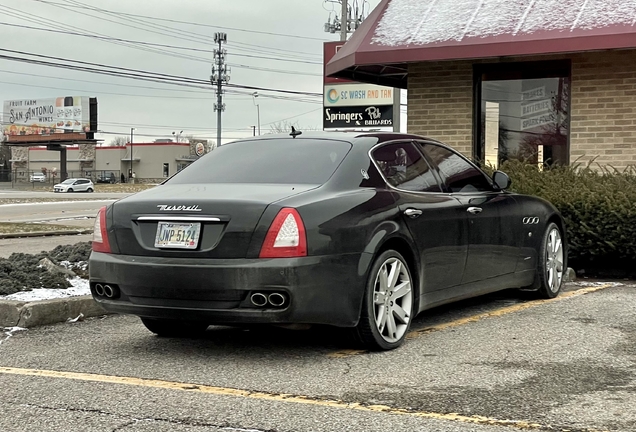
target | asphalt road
x=64, y=212
x=496, y=363
x=34, y=245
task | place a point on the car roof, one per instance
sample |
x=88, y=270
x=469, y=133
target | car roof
x=348, y=136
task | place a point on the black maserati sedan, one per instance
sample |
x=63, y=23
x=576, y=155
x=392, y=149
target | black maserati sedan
x=355, y=230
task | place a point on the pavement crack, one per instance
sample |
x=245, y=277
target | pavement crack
x=131, y=420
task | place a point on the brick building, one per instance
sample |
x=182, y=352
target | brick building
x=542, y=80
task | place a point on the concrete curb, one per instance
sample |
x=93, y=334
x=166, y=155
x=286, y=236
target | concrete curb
x=44, y=312
x=45, y=233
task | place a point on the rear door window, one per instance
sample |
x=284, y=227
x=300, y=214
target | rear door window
x=404, y=167
x=275, y=161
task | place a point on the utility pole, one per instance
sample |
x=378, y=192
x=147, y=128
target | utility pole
x=344, y=21
x=219, y=77
x=131, y=155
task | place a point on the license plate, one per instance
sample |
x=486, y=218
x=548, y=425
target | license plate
x=177, y=235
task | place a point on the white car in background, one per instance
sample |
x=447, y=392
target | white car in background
x=74, y=185
x=37, y=177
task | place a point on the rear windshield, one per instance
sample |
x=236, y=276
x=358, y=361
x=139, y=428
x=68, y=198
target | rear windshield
x=291, y=161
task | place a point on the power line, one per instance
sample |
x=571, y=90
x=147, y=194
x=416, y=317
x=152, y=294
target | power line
x=47, y=22
x=195, y=38
x=187, y=57
x=135, y=73
x=202, y=25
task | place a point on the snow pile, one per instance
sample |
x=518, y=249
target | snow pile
x=79, y=287
x=52, y=270
x=420, y=22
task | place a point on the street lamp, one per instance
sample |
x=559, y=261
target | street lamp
x=177, y=135
x=258, y=111
x=131, y=154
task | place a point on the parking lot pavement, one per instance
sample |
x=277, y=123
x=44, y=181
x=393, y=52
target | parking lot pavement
x=490, y=364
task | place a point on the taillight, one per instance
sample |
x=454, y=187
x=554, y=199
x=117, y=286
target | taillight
x=100, y=236
x=286, y=237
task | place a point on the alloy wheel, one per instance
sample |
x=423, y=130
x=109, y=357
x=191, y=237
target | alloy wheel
x=554, y=260
x=392, y=300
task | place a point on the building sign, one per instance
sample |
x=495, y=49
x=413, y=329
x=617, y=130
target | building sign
x=46, y=116
x=536, y=109
x=540, y=120
x=357, y=95
x=350, y=104
x=357, y=117
x=199, y=149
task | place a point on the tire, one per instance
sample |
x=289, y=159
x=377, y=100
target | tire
x=89, y=190
x=552, y=263
x=376, y=329
x=69, y=190
x=174, y=328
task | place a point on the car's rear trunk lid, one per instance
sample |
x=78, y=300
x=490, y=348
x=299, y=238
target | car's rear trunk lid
x=226, y=215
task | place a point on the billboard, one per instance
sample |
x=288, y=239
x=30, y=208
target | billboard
x=38, y=119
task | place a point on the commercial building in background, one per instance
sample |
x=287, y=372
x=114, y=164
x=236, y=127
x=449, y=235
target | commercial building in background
x=353, y=105
x=542, y=81
x=151, y=162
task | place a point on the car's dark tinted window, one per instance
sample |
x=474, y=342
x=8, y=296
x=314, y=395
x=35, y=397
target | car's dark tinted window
x=459, y=174
x=293, y=161
x=405, y=168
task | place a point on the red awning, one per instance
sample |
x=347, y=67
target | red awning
x=399, y=32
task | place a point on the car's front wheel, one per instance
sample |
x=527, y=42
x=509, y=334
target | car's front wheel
x=552, y=263
x=387, y=308
x=174, y=328
x=69, y=190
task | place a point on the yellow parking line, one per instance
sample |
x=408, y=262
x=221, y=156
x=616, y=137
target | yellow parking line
x=471, y=319
x=275, y=397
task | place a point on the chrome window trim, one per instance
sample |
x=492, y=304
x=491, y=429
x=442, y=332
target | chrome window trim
x=178, y=218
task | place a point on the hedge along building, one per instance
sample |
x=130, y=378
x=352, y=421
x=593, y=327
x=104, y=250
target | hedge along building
x=542, y=80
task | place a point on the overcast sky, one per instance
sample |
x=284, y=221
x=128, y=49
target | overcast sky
x=274, y=29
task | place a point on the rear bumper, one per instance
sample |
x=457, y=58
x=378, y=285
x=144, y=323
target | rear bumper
x=320, y=290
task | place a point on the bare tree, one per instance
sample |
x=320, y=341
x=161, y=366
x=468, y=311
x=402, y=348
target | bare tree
x=285, y=126
x=117, y=141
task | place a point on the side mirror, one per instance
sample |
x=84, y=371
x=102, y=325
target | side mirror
x=501, y=180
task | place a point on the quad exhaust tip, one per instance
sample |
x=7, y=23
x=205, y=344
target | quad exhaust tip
x=106, y=290
x=258, y=299
x=274, y=299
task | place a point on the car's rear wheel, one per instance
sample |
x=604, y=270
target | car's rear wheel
x=174, y=328
x=89, y=190
x=387, y=308
x=552, y=264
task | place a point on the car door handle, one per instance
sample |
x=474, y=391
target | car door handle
x=474, y=210
x=412, y=213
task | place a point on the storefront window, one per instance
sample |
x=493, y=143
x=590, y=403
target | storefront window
x=523, y=113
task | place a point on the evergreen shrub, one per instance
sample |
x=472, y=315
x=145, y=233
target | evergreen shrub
x=599, y=207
